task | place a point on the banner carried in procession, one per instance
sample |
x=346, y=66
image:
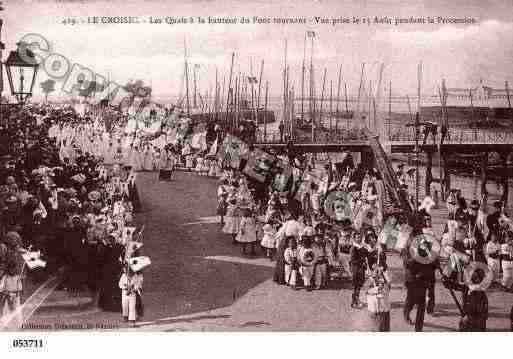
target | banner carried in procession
x=259, y=165
x=394, y=236
x=283, y=176
x=233, y=150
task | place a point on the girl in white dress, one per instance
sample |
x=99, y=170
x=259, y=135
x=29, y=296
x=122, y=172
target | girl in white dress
x=268, y=240
x=211, y=168
x=493, y=253
x=231, y=219
x=247, y=231
x=133, y=158
x=156, y=158
x=507, y=262
x=147, y=159
x=199, y=165
x=189, y=162
x=206, y=167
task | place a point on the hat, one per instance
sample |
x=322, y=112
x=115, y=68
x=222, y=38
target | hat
x=11, y=199
x=424, y=248
x=138, y=263
x=33, y=260
x=308, y=232
x=474, y=204
x=372, y=197
x=497, y=204
x=461, y=217
x=10, y=180
x=477, y=276
x=400, y=165
x=94, y=196
x=12, y=239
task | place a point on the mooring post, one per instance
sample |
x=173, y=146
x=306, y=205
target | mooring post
x=484, y=178
x=429, y=172
x=504, y=177
x=446, y=175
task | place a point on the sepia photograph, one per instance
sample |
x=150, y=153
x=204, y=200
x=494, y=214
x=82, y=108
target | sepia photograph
x=255, y=166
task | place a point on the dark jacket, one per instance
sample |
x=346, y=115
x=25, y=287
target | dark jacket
x=415, y=271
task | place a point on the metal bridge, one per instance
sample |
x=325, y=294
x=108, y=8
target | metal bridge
x=400, y=140
x=375, y=147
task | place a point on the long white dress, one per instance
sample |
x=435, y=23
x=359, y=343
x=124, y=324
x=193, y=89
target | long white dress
x=268, y=240
x=247, y=230
x=147, y=160
x=231, y=220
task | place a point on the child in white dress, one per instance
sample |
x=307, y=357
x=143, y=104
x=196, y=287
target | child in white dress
x=247, y=231
x=268, y=240
x=131, y=287
x=199, y=165
x=507, y=262
x=231, y=219
x=493, y=253
x=147, y=164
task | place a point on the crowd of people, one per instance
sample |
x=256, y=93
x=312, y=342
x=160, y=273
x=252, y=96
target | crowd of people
x=334, y=222
x=67, y=206
x=68, y=196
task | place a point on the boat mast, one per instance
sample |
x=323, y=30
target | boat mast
x=360, y=91
x=509, y=100
x=284, y=114
x=417, y=125
x=265, y=109
x=331, y=105
x=259, y=88
x=347, y=106
x=303, y=82
x=389, y=120
x=187, y=81
x=322, y=97
x=195, y=87
x=338, y=95
x=312, y=90
x=216, y=98
x=229, y=90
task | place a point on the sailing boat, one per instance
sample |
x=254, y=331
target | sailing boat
x=239, y=108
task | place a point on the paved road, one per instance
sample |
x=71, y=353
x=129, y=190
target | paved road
x=200, y=281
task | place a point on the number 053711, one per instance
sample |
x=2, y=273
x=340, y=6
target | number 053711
x=27, y=343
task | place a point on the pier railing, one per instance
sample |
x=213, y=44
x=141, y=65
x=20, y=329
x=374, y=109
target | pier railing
x=456, y=136
x=335, y=136
x=396, y=135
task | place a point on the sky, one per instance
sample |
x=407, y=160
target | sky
x=462, y=54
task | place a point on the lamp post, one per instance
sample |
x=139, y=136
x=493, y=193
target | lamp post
x=21, y=66
x=2, y=46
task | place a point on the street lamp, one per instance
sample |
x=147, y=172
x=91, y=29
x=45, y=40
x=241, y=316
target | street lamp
x=21, y=67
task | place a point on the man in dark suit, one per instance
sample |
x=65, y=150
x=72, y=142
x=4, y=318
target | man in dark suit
x=418, y=278
x=492, y=220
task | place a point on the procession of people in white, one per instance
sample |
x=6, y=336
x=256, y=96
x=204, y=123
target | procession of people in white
x=329, y=224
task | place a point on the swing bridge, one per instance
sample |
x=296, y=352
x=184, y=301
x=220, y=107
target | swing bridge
x=376, y=146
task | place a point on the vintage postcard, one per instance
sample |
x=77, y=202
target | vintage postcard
x=242, y=166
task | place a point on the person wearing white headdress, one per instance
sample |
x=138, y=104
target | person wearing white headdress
x=108, y=155
x=493, y=255
x=291, y=262
x=147, y=158
x=199, y=165
x=324, y=256
x=131, y=286
x=247, y=231
x=268, y=239
x=231, y=219
x=307, y=259
x=507, y=261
